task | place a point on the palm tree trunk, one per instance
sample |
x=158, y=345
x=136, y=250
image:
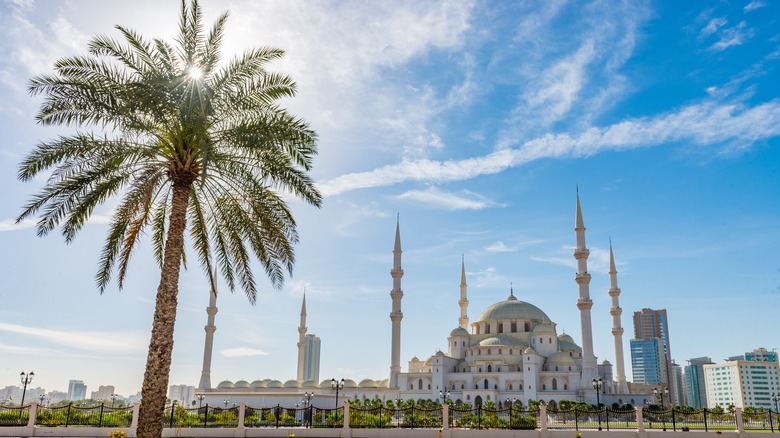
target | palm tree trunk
x=158, y=362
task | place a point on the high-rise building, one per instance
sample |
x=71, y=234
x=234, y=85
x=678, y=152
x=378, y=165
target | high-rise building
x=695, y=383
x=311, y=361
x=741, y=383
x=104, y=392
x=647, y=361
x=653, y=324
x=183, y=394
x=77, y=390
x=678, y=383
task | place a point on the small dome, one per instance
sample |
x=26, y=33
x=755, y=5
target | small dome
x=383, y=383
x=241, y=384
x=349, y=383
x=529, y=350
x=606, y=362
x=291, y=384
x=325, y=383
x=225, y=384
x=274, y=384
x=257, y=384
x=459, y=331
x=499, y=341
x=439, y=353
x=560, y=358
x=415, y=359
x=367, y=383
x=544, y=328
x=309, y=384
x=565, y=338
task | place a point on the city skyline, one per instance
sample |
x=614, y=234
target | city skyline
x=473, y=121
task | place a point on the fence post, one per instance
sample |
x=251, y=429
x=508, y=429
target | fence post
x=241, y=414
x=738, y=418
x=445, y=416
x=67, y=415
x=33, y=414
x=640, y=419
x=206, y=416
x=134, y=423
x=543, y=417
x=346, y=415
x=278, y=414
x=100, y=418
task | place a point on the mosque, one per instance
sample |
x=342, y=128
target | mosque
x=512, y=351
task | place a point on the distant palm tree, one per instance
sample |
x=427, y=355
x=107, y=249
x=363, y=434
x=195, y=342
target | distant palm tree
x=187, y=145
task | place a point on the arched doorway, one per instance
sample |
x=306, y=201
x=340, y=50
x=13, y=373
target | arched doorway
x=478, y=401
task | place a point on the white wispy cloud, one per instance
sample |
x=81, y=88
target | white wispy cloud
x=434, y=197
x=499, y=246
x=598, y=260
x=105, y=341
x=242, y=352
x=11, y=225
x=752, y=6
x=705, y=123
x=733, y=36
x=712, y=26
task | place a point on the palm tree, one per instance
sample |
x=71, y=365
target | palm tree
x=187, y=145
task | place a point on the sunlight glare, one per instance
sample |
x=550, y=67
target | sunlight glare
x=195, y=72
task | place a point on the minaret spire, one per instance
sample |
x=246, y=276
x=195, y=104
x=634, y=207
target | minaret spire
x=464, y=302
x=302, y=340
x=395, y=314
x=210, y=328
x=584, y=303
x=617, y=330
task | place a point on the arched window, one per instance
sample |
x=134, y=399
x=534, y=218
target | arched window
x=419, y=384
x=494, y=387
x=487, y=329
x=485, y=384
x=527, y=326
x=569, y=368
x=429, y=386
x=501, y=327
x=489, y=352
x=514, y=327
x=464, y=344
x=544, y=387
x=499, y=369
x=490, y=368
x=555, y=385
x=480, y=369
x=556, y=367
x=453, y=387
x=462, y=387
x=510, y=351
x=541, y=340
x=479, y=352
x=454, y=343
x=510, y=386
x=468, y=397
x=411, y=386
x=565, y=387
x=549, y=340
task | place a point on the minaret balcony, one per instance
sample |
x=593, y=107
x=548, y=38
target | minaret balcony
x=581, y=253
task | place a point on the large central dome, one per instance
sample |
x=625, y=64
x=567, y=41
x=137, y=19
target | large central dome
x=513, y=309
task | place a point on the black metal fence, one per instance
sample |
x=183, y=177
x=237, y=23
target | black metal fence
x=14, y=416
x=484, y=418
x=91, y=416
x=381, y=417
x=689, y=419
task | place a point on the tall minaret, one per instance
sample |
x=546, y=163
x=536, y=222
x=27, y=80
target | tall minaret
x=302, y=340
x=395, y=315
x=464, y=302
x=211, y=310
x=617, y=330
x=584, y=303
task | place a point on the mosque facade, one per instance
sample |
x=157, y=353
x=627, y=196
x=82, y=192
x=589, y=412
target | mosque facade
x=511, y=352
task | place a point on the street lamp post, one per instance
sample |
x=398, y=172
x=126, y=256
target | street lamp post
x=597, y=385
x=113, y=399
x=200, y=400
x=226, y=403
x=307, y=397
x=444, y=395
x=660, y=394
x=26, y=378
x=337, y=385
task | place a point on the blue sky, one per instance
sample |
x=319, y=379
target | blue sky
x=474, y=121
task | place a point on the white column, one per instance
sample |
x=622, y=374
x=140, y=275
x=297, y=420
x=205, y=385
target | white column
x=464, y=302
x=302, y=340
x=396, y=315
x=584, y=303
x=617, y=329
x=211, y=310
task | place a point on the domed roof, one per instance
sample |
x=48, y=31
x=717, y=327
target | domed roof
x=606, y=362
x=512, y=309
x=543, y=328
x=309, y=384
x=291, y=384
x=257, y=384
x=529, y=350
x=560, y=358
x=367, y=383
x=325, y=383
x=274, y=384
x=349, y=383
x=499, y=341
x=241, y=384
x=565, y=338
x=225, y=384
x=459, y=331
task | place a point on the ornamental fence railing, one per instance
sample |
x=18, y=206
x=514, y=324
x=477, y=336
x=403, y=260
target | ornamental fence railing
x=411, y=417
